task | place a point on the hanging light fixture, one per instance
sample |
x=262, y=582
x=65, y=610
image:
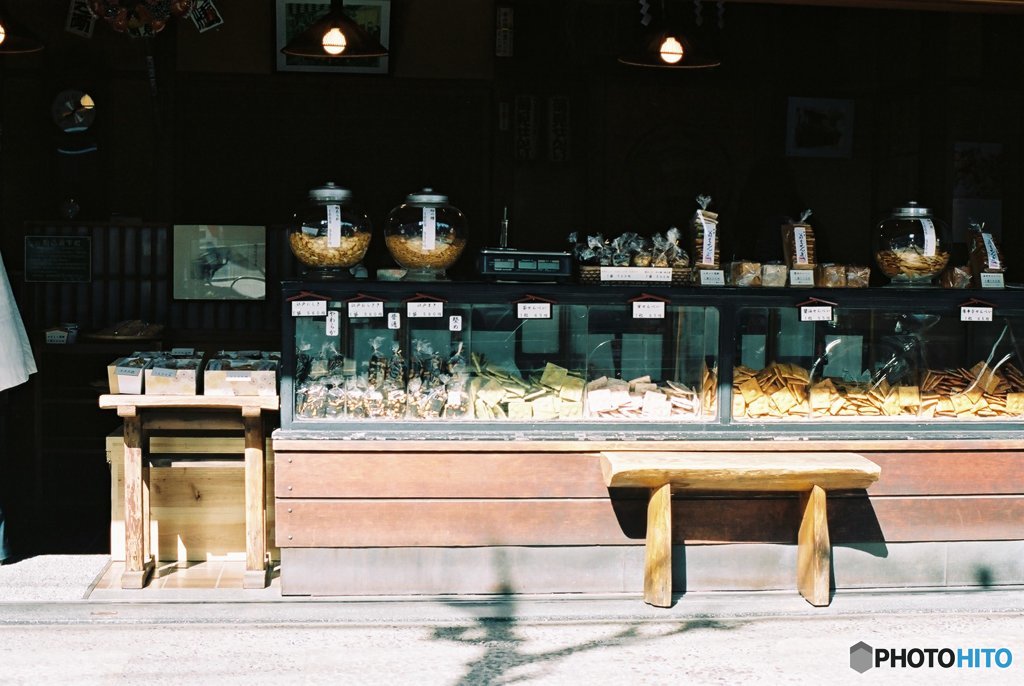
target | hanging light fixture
x=664, y=46
x=335, y=35
x=14, y=40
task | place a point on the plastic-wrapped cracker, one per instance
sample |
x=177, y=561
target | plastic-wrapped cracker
x=798, y=243
x=956, y=277
x=984, y=254
x=744, y=274
x=830, y=276
x=704, y=226
x=857, y=276
x=774, y=275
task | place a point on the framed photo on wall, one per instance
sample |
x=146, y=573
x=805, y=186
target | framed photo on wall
x=294, y=16
x=217, y=262
x=819, y=127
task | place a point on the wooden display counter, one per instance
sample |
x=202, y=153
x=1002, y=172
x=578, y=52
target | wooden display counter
x=435, y=517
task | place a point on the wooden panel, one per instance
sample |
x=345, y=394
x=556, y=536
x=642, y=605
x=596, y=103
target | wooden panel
x=387, y=523
x=949, y=473
x=439, y=475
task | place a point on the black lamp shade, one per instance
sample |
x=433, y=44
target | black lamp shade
x=16, y=40
x=667, y=48
x=357, y=42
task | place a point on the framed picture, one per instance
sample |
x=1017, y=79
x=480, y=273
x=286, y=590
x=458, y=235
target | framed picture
x=819, y=127
x=217, y=262
x=295, y=16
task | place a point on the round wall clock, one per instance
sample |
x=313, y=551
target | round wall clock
x=73, y=111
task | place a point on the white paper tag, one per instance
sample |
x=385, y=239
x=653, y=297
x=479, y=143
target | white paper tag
x=128, y=371
x=183, y=352
x=712, y=277
x=928, y=226
x=163, y=372
x=708, y=249
x=455, y=322
x=974, y=313
x=331, y=325
x=801, y=277
x=801, y=255
x=992, y=255
x=429, y=228
x=366, y=309
x=334, y=226
x=238, y=375
x=648, y=309
x=992, y=280
x=636, y=274
x=424, y=310
x=815, y=313
x=533, y=310
x=56, y=336
x=394, y=320
x=309, y=308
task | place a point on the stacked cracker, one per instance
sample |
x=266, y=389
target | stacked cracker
x=842, y=399
x=980, y=391
x=704, y=226
x=640, y=398
x=498, y=394
x=778, y=391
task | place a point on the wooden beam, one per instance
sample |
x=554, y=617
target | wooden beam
x=110, y=401
x=658, y=551
x=814, y=552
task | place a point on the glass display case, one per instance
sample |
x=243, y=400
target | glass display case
x=553, y=362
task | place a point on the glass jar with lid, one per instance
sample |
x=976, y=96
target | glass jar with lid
x=329, y=233
x=426, y=235
x=911, y=245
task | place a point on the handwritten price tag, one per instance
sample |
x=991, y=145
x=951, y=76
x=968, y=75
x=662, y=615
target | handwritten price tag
x=969, y=313
x=648, y=310
x=331, y=325
x=394, y=320
x=309, y=308
x=816, y=313
x=424, y=310
x=533, y=310
x=712, y=277
x=183, y=352
x=129, y=371
x=238, y=375
x=455, y=322
x=164, y=373
x=366, y=309
x=992, y=280
x=645, y=274
x=334, y=226
x=801, y=277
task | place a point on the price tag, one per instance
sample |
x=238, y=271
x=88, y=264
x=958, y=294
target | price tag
x=334, y=226
x=990, y=251
x=708, y=248
x=645, y=274
x=800, y=243
x=815, y=313
x=238, y=375
x=128, y=371
x=928, y=226
x=424, y=310
x=309, y=308
x=801, y=277
x=164, y=373
x=394, y=320
x=533, y=310
x=429, y=228
x=712, y=277
x=366, y=309
x=455, y=322
x=975, y=313
x=56, y=336
x=331, y=325
x=648, y=310
x=992, y=280
x=183, y=352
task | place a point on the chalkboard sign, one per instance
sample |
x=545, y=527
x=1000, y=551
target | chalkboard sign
x=65, y=259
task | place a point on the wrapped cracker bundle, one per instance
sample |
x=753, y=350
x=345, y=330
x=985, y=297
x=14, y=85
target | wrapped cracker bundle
x=705, y=236
x=774, y=275
x=857, y=276
x=830, y=276
x=798, y=243
x=984, y=255
x=744, y=274
x=956, y=277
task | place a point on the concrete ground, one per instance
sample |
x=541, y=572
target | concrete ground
x=53, y=631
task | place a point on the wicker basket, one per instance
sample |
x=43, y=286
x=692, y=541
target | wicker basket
x=589, y=274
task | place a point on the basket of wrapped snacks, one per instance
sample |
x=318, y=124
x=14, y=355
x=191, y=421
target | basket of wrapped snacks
x=632, y=259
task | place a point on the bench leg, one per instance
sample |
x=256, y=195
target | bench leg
x=138, y=562
x=814, y=551
x=257, y=571
x=658, y=558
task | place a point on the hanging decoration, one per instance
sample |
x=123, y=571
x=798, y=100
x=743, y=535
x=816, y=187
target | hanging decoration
x=139, y=18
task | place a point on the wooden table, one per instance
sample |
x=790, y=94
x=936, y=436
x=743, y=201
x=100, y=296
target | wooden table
x=142, y=413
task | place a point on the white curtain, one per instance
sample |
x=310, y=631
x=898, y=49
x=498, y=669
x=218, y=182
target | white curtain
x=16, y=361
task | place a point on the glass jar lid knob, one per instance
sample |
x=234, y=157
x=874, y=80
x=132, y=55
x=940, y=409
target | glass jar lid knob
x=912, y=209
x=427, y=198
x=330, y=192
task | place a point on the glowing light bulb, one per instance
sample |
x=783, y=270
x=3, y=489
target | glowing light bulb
x=334, y=42
x=3, y=34
x=671, y=50
x=86, y=102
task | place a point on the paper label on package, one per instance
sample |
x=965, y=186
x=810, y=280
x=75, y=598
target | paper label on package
x=429, y=228
x=331, y=325
x=366, y=309
x=533, y=310
x=992, y=280
x=712, y=277
x=129, y=371
x=183, y=352
x=163, y=373
x=816, y=313
x=975, y=314
x=801, y=255
x=801, y=277
x=309, y=308
x=238, y=375
x=56, y=336
x=648, y=310
x=636, y=274
x=708, y=249
x=990, y=251
x=424, y=310
x=455, y=322
x=394, y=320
x=928, y=227
x=334, y=226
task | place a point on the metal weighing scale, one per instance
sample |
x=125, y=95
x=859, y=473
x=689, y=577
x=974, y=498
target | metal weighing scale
x=509, y=264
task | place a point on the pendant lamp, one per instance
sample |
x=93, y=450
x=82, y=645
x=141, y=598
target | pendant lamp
x=14, y=39
x=335, y=36
x=666, y=46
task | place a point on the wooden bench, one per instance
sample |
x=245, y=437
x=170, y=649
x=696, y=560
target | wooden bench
x=810, y=474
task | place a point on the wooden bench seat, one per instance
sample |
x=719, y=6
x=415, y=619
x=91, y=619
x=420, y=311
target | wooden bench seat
x=810, y=474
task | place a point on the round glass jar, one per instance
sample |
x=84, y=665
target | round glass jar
x=329, y=233
x=426, y=235
x=911, y=246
